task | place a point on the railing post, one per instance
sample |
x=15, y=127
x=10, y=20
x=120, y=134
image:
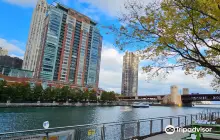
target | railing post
x=138, y=128
x=122, y=131
x=77, y=134
x=170, y=121
x=103, y=132
x=185, y=121
x=205, y=116
x=178, y=121
x=161, y=125
x=191, y=118
x=151, y=127
x=47, y=134
x=212, y=116
x=196, y=117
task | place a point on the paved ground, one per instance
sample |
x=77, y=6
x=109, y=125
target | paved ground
x=178, y=136
x=164, y=136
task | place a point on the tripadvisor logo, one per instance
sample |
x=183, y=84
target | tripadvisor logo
x=169, y=129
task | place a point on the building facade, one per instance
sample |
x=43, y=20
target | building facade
x=71, y=48
x=13, y=72
x=34, y=37
x=11, y=62
x=129, y=85
x=3, y=52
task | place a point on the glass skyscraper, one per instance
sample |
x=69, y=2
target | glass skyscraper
x=71, y=48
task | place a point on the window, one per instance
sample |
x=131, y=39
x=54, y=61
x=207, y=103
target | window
x=44, y=9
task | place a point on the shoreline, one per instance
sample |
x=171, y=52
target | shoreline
x=55, y=104
x=87, y=104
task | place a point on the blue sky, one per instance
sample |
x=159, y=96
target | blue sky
x=15, y=18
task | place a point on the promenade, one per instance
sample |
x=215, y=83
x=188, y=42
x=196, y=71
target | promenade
x=164, y=136
x=177, y=136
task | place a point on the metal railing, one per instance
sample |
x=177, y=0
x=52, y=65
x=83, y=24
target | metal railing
x=141, y=128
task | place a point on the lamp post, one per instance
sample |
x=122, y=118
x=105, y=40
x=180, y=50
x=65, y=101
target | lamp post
x=46, y=126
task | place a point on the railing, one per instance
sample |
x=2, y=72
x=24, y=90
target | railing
x=134, y=129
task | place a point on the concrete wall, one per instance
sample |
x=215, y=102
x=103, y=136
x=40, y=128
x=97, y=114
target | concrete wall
x=174, y=98
x=185, y=91
x=54, y=104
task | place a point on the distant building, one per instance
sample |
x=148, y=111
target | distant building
x=11, y=62
x=129, y=85
x=34, y=37
x=13, y=72
x=71, y=48
x=3, y=52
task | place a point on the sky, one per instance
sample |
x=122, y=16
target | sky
x=16, y=16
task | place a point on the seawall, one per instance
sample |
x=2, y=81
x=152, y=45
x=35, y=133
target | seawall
x=56, y=104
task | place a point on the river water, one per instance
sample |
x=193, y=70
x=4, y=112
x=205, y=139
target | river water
x=18, y=119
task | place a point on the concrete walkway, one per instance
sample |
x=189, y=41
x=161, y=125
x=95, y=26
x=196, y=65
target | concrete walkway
x=164, y=136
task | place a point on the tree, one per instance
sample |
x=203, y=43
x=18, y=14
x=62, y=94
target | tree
x=79, y=94
x=8, y=93
x=37, y=93
x=72, y=95
x=92, y=96
x=3, y=94
x=64, y=92
x=55, y=92
x=174, y=34
x=85, y=95
x=112, y=96
x=22, y=92
x=46, y=94
x=104, y=96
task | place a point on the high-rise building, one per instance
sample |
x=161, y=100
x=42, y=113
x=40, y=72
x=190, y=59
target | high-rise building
x=3, y=52
x=129, y=85
x=71, y=48
x=34, y=38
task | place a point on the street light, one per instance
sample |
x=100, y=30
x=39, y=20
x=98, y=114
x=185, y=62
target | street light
x=46, y=126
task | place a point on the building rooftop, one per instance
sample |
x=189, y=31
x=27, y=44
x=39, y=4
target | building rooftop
x=59, y=5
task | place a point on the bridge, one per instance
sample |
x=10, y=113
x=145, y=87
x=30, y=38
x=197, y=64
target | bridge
x=149, y=98
x=186, y=99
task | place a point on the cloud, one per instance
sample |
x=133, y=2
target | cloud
x=111, y=68
x=32, y=3
x=13, y=55
x=111, y=7
x=111, y=76
x=13, y=47
x=23, y=3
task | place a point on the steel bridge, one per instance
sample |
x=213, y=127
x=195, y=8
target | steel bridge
x=186, y=99
x=141, y=98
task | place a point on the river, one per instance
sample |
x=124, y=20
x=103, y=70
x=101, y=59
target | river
x=17, y=119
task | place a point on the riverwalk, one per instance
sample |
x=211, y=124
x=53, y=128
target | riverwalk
x=179, y=136
x=164, y=136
